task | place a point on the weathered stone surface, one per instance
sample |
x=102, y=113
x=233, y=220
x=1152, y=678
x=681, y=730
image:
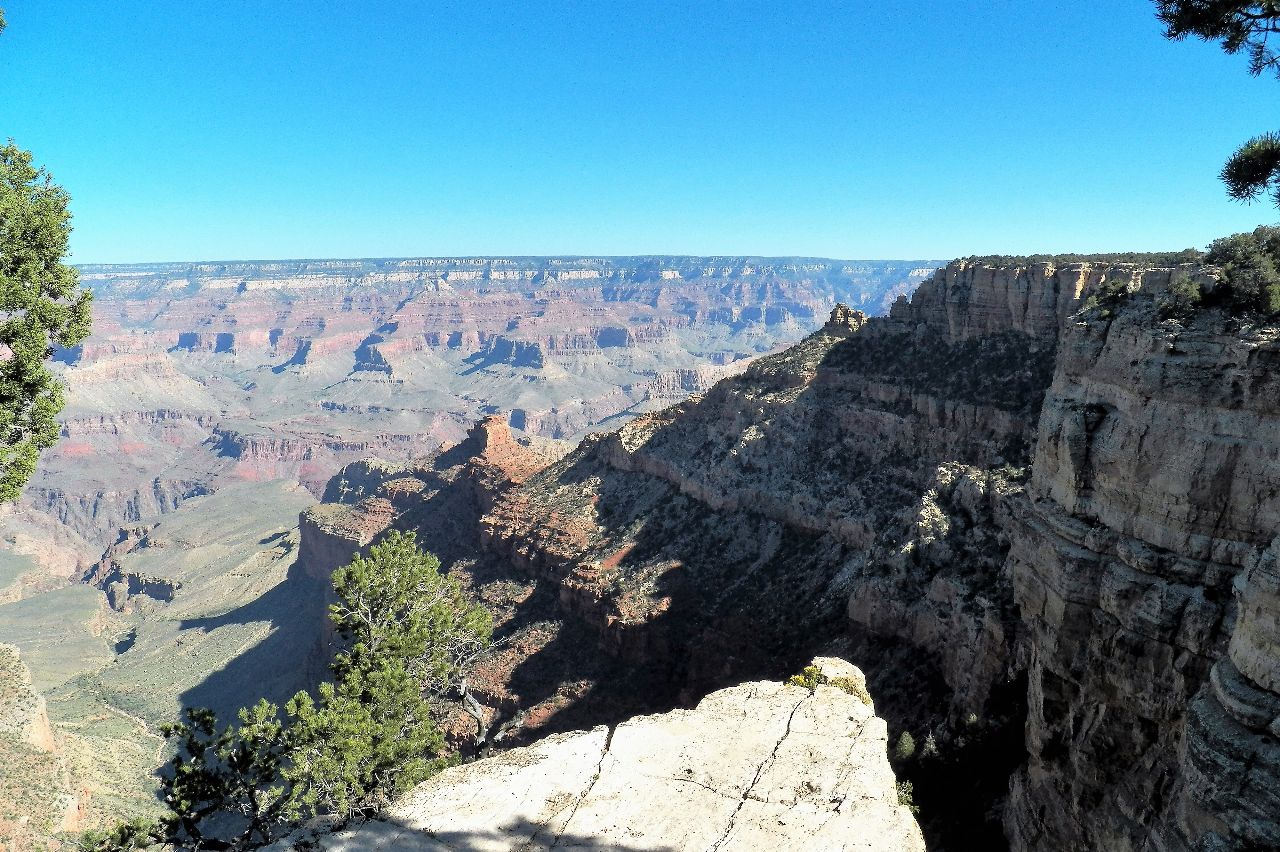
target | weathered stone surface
x=753, y=767
x=37, y=794
x=1155, y=487
x=23, y=713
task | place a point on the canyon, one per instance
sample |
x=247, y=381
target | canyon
x=1036, y=511
x=197, y=375
x=1033, y=509
x=153, y=559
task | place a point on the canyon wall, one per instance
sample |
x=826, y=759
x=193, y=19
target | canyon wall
x=198, y=376
x=1036, y=513
x=1145, y=587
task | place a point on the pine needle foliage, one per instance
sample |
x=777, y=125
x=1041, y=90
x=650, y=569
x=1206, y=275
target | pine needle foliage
x=41, y=306
x=1240, y=26
x=410, y=631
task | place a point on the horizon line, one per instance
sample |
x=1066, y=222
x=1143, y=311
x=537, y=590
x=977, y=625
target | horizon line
x=527, y=257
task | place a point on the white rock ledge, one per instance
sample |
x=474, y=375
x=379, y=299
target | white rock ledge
x=760, y=766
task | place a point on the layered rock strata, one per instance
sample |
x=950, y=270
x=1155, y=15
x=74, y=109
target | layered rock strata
x=1146, y=592
x=1027, y=490
x=200, y=376
x=721, y=539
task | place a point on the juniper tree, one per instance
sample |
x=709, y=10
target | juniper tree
x=1241, y=26
x=365, y=738
x=41, y=306
x=411, y=632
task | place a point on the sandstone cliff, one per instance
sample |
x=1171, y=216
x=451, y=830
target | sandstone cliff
x=1145, y=588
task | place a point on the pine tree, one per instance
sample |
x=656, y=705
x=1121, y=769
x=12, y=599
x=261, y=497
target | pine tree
x=365, y=738
x=1241, y=26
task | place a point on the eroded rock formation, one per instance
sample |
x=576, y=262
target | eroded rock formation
x=199, y=376
x=1154, y=494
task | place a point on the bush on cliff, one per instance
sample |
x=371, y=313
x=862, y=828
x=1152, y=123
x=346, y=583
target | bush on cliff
x=1251, y=265
x=1181, y=300
x=1140, y=258
x=367, y=737
x=906, y=747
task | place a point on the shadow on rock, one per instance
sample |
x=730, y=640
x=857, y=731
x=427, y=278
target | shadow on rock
x=289, y=659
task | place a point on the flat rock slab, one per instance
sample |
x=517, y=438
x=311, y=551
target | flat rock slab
x=760, y=766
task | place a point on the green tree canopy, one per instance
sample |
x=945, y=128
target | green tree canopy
x=1240, y=26
x=41, y=306
x=411, y=632
x=367, y=737
x=1251, y=263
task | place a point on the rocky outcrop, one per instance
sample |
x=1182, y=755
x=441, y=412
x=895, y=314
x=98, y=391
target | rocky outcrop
x=37, y=795
x=969, y=299
x=1231, y=767
x=757, y=766
x=307, y=458
x=863, y=473
x=23, y=713
x=1154, y=493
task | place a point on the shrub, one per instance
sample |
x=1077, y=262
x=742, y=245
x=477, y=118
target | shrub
x=906, y=747
x=1159, y=258
x=812, y=677
x=856, y=688
x=1251, y=268
x=906, y=797
x=1181, y=300
x=1107, y=296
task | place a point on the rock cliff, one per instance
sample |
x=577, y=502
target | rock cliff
x=756, y=766
x=1146, y=590
x=1038, y=515
x=37, y=793
x=23, y=713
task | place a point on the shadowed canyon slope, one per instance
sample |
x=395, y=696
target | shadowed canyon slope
x=1044, y=530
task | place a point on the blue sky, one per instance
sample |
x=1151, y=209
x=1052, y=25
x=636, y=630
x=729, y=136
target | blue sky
x=885, y=129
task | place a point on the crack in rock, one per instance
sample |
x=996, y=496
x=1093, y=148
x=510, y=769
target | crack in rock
x=700, y=784
x=760, y=770
x=608, y=743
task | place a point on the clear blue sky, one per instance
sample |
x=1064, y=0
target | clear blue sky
x=280, y=128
